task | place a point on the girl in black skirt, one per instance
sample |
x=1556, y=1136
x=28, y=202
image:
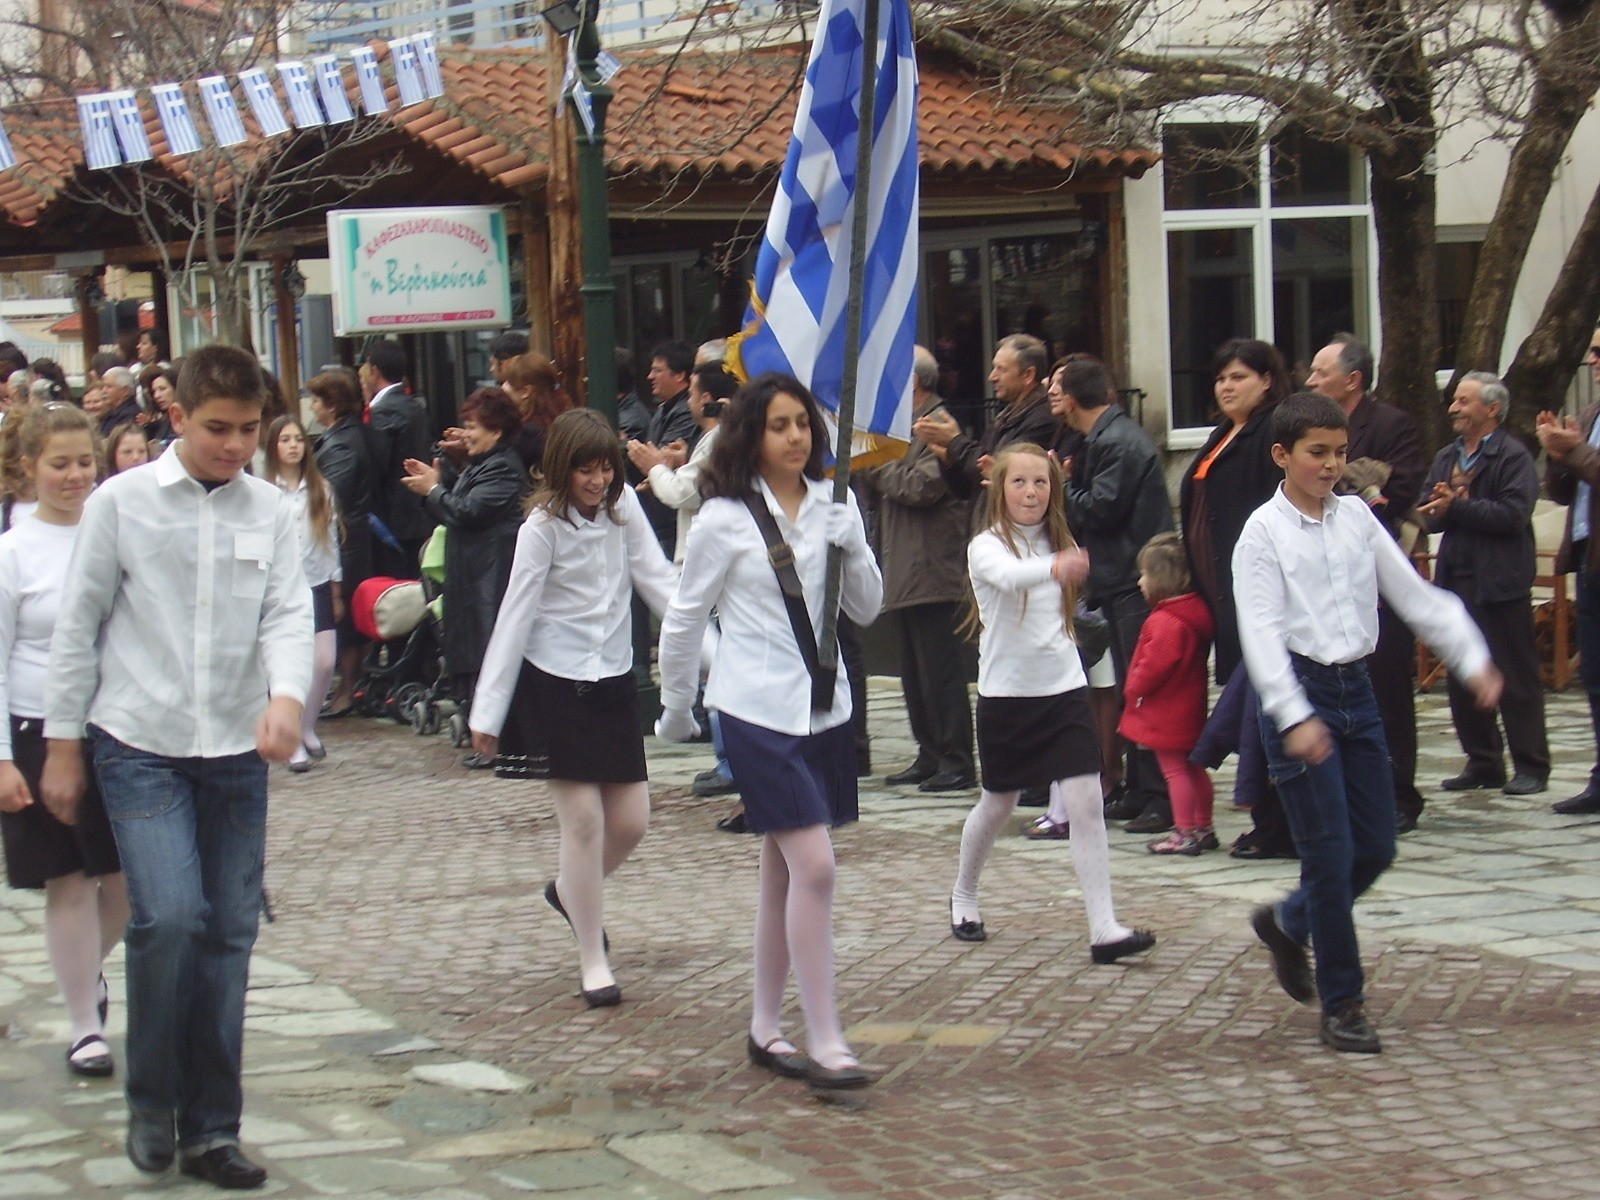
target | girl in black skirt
x=795, y=764
x=70, y=855
x=556, y=697
x=1035, y=724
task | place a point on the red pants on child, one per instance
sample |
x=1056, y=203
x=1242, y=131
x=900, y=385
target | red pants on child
x=1190, y=788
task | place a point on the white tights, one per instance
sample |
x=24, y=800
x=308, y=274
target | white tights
x=600, y=824
x=1091, y=853
x=794, y=923
x=83, y=921
x=321, y=680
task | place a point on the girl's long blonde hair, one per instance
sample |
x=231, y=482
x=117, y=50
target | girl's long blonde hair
x=997, y=517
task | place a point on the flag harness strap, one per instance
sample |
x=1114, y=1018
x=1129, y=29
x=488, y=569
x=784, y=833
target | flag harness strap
x=781, y=555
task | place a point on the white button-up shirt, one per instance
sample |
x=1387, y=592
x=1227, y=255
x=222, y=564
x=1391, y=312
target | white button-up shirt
x=757, y=673
x=568, y=606
x=680, y=489
x=1023, y=649
x=183, y=612
x=319, y=560
x=1311, y=587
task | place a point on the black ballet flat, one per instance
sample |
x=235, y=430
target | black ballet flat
x=603, y=997
x=779, y=1062
x=1136, y=942
x=553, y=899
x=835, y=1079
x=969, y=931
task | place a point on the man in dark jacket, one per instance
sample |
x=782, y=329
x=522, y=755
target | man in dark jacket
x=1116, y=502
x=922, y=540
x=1480, y=494
x=1018, y=377
x=397, y=426
x=1386, y=438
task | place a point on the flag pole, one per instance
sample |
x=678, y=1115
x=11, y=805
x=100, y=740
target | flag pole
x=828, y=643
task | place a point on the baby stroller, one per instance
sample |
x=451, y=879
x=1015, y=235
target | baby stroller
x=404, y=662
x=449, y=696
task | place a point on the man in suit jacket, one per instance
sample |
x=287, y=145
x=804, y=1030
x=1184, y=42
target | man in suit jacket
x=397, y=426
x=1382, y=433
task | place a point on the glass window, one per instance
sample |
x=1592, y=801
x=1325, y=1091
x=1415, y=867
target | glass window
x=1319, y=285
x=953, y=301
x=1049, y=286
x=1211, y=295
x=1210, y=166
x=1458, y=263
x=1307, y=171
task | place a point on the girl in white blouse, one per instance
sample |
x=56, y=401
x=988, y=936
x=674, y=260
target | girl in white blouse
x=795, y=764
x=292, y=467
x=72, y=855
x=1034, y=722
x=556, y=698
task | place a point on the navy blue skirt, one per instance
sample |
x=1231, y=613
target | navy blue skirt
x=789, y=782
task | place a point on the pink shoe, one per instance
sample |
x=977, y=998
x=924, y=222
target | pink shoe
x=1179, y=841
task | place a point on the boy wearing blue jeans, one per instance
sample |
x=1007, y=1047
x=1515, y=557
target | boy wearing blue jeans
x=183, y=651
x=1307, y=573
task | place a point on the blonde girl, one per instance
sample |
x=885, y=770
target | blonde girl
x=69, y=854
x=291, y=465
x=1034, y=722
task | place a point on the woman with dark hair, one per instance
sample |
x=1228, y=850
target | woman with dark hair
x=346, y=463
x=481, y=508
x=557, y=698
x=786, y=728
x=1231, y=477
x=530, y=379
x=158, y=391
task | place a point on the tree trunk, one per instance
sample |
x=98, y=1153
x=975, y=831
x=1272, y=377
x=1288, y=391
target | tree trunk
x=1403, y=203
x=1568, y=73
x=567, y=341
x=1543, y=368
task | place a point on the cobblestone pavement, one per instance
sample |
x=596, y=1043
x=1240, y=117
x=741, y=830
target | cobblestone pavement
x=415, y=1028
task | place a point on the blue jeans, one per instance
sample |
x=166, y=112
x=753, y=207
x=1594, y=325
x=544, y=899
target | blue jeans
x=1342, y=815
x=192, y=835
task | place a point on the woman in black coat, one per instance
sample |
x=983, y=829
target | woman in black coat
x=1231, y=477
x=481, y=508
x=346, y=463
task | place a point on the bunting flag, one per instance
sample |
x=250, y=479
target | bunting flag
x=227, y=126
x=608, y=65
x=176, y=120
x=330, y=86
x=297, y=86
x=129, y=124
x=100, y=148
x=407, y=71
x=428, y=56
x=8, y=157
x=263, y=102
x=370, y=80
x=796, y=319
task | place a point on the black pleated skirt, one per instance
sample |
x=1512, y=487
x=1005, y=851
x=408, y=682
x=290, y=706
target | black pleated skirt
x=583, y=730
x=1031, y=741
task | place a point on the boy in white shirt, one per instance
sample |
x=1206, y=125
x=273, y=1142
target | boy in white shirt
x=1307, y=573
x=183, y=651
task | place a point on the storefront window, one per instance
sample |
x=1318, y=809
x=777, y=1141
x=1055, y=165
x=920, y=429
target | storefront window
x=1210, y=289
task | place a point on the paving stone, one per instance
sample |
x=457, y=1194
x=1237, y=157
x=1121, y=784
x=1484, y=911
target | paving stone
x=565, y=1171
x=370, y=1174
x=26, y=1184
x=470, y=1077
x=443, y=1115
x=319, y=1024
x=696, y=1162
x=343, y=1147
x=506, y=1142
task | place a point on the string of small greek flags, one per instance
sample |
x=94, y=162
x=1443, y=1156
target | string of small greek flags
x=607, y=65
x=114, y=132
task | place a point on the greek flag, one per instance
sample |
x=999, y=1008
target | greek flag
x=221, y=110
x=330, y=86
x=370, y=79
x=796, y=319
x=8, y=156
x=182, y=136
x=99, y=132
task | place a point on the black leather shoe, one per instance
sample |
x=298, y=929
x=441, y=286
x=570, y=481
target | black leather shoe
x=1136, y=942
x=835, y=1079
x=1154, y=819
x=152, y=1141
x=1586, y=801
x=713, y=783
x=791, y=1064
x=1524, y=784
x=734, y=823
x=1246, y=846
x=1349, y=1031
x=603, y=997
x=1472, y=781
x=969, y=931
x=1289, y=961
x=1123, y=804
x=948, y=781
x=1405, y=822
x=553, y=899
x=226, y=1167
x=911, y=775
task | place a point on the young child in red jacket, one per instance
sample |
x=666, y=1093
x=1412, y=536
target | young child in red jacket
x=1165, y=692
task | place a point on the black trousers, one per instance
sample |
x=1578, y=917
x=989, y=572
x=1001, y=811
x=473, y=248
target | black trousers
x=933, y=675
x=854, y=659
x=1508, y=628
x=1392, y=667
x=1125, y=614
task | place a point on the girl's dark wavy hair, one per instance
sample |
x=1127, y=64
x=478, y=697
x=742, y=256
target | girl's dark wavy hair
x=736, y=458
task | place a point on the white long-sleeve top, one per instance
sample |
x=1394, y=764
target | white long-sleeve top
x=33, y=568
x=757, y=673
x=1023, y=648
x=1311, y=587
x=319, y=562
x=568, y=606
x=680, y=489
x=183, y=612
